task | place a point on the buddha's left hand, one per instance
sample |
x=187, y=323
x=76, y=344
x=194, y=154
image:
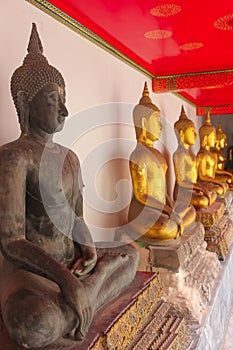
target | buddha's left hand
x=86, y=263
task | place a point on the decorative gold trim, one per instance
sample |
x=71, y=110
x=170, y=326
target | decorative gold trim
x=63, y=18
x=217, y=106
x=193, y=74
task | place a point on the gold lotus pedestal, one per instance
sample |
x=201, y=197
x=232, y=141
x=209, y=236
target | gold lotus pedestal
x=218, y=226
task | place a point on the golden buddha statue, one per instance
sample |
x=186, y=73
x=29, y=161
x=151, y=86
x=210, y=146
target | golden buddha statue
x=207, y=169
x=152, y=214
x=221, y=143
x=187, y=188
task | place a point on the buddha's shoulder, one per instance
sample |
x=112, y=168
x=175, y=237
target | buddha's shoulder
x=143, y=152
x=181, y=153
x=15, y=150
x=71, y=155
x=203, y=153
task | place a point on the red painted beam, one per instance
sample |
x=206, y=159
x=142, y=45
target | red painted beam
x=182, y=82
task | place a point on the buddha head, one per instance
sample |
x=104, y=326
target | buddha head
x=38, y=90
x=147, y=120
x=185, y=129
x=221, y=137
x=207, y=133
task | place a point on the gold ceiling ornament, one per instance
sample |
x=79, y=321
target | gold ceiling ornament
x=158, y=34
x=77, y=27
x=224, y=23
x=165, y=10
x=191, y=46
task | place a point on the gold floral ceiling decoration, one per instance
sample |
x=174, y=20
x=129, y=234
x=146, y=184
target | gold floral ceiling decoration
x=190, y=51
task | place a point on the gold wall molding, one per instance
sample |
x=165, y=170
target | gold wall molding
x=68, y=21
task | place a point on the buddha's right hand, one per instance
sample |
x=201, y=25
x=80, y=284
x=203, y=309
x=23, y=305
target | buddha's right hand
x=76, y=297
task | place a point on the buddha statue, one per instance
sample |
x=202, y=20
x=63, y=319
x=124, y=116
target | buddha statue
x=229, y=164
x=52, y=277
x=207, y=168
x=187, y=188
x=221, y=142
x=152, y=213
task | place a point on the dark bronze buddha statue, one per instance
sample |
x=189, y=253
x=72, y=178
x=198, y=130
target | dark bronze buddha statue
x=52, y=279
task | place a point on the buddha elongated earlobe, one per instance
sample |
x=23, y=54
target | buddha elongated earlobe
x=23, y=106
x=204, y=141
x=181, y=133
x=144, y=121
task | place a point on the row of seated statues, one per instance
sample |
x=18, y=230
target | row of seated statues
x=52, y=277
x=199, y=180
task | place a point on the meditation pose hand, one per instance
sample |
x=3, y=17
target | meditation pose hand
x=152, y=213
x=207, y=169
x=187, y=188
x=45, y=244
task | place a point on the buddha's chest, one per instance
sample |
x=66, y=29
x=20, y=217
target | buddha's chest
x=51, y=178
x=156, y=166
x=191, y=163
x=210, y=161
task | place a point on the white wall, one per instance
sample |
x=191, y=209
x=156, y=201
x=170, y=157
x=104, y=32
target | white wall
x=101, y=93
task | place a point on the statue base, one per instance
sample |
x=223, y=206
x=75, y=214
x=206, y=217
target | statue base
x=136, y=319
x=219, y=237
x=188, y=271
x=218, y=227
x=228, y=198
x=211, y=215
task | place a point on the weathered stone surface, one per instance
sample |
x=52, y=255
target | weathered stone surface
x=188, y=272
x=219, y=237
x=171, y=254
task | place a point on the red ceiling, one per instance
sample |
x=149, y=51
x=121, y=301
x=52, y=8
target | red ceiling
x=181, y=38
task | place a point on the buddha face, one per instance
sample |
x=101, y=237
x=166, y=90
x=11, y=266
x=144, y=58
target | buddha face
x=211, y=139
x=190, y=136
x=222, y=142
x=47, y=109
x=154, y=126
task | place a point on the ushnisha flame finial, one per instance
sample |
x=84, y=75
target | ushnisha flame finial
x=35, y=72
x=220, y=127
x=145, y=90
x=146, y=100
x=183, y=122
x=35, y=45
x=183, y=115
x=208, y=119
